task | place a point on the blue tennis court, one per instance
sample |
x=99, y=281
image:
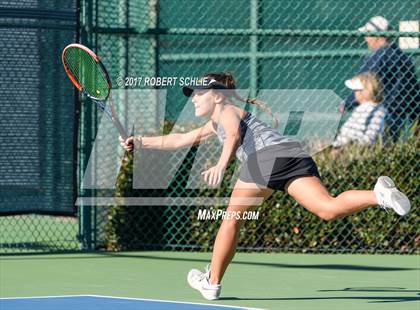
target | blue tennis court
x=101, y=303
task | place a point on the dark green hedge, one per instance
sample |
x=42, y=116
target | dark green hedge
x=283, y=224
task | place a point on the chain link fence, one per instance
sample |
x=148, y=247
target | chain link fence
x=266, y=45
x=275, y=45
x=37, y=130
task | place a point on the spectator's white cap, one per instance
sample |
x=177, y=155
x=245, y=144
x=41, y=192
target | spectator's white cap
x=354, y=84
x=375, y=24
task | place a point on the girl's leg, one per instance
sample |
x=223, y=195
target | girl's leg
x=311, y=194
x=245, y=197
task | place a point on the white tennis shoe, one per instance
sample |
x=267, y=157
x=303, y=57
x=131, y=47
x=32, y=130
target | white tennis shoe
x=201, y=282
x=389, y=197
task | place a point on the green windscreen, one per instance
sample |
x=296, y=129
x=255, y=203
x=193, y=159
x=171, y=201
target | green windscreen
x=38, y=139
x=87, y=72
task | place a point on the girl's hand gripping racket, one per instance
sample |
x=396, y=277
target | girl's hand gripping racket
x=89, y=75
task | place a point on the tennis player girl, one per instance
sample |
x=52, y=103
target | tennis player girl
x=270, y=162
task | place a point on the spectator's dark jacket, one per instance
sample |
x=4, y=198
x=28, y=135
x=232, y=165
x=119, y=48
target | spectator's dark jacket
x=397, y=73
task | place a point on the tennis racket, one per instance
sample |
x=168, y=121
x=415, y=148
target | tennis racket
x=88, y=74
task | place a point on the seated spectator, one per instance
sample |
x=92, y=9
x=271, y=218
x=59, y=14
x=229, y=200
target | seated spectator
x=396, y=71
x=366, y=122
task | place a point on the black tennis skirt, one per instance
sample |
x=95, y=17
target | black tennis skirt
x=275, y=165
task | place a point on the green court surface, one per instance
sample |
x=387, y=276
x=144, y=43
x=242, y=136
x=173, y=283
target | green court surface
x=268, y=281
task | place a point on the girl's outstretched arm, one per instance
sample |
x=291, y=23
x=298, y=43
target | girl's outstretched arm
x=171, y=141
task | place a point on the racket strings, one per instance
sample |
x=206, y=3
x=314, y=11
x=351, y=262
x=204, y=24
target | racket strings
x=87, y=72
x=73, y=60
x=83, y=69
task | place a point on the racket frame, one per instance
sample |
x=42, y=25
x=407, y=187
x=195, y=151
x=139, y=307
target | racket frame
x=100, y=103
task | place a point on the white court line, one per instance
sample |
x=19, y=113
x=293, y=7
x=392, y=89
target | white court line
x=129, y=298
x=40, y=297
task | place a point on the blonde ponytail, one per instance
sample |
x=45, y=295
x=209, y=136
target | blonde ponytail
x=261, y=105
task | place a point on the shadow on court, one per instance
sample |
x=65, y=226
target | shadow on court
x=370, y=299
x=374, y=289
x=275, y=265
x=341, y=267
